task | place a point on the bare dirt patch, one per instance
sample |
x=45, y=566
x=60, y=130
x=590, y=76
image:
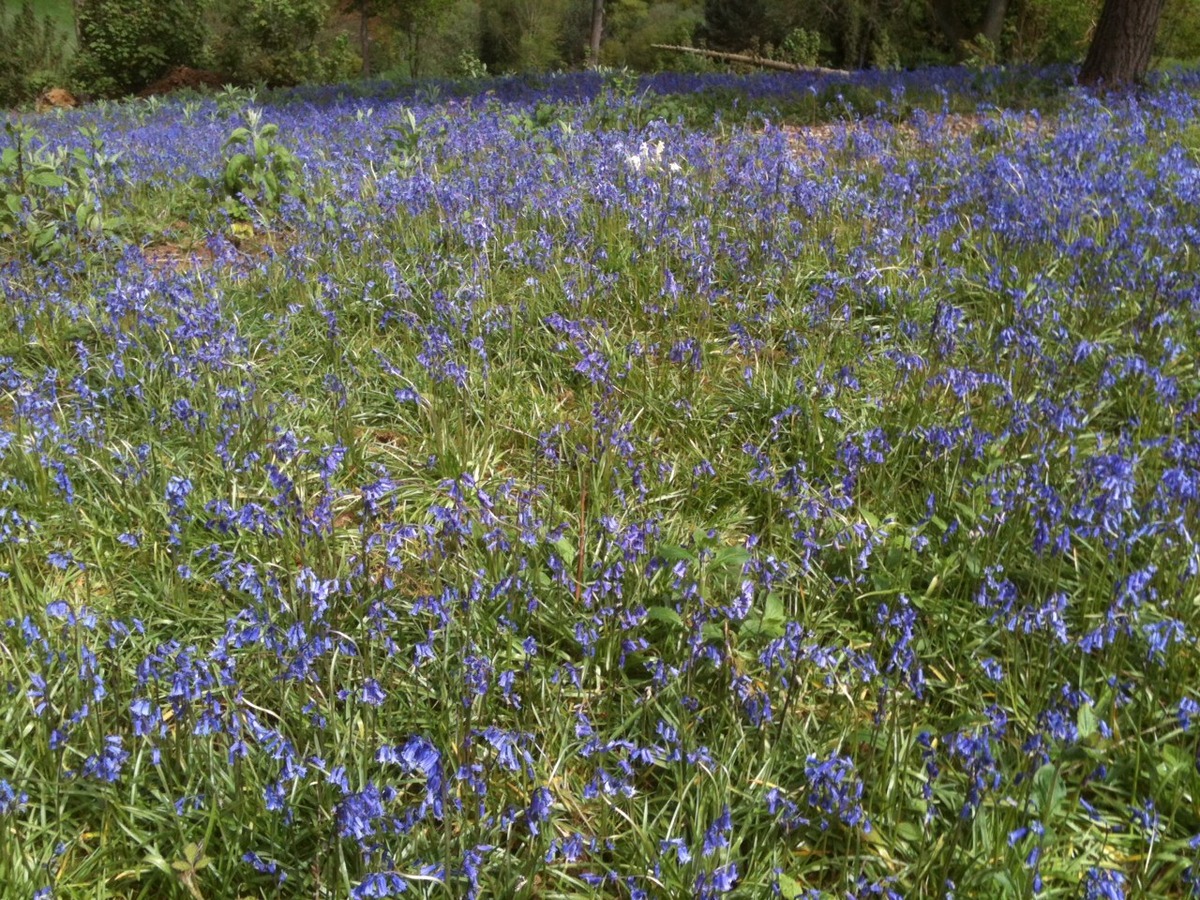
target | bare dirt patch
x=183, y=78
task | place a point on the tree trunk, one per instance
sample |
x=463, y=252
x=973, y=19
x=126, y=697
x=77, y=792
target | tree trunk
x=945, y=14
x=992, y=27
x=597, y=29
x=364, y=36
x=1123, y=42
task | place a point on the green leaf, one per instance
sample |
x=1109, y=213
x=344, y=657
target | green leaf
x=155, y=859
x=730, y=558
x=789, y=887
x=566, y=550
x=754, y=627
x=1049, y=791
x=1085, y=721
x=673, y=553
x=1003, y=884
x=46, y=179
x=666, y=615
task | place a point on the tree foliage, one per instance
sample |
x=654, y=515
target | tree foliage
x=634, y=26
x=126, y=44
x=416, y=21
x=524, y=35
x=872, y=33
x=32, y=54
x=276, y=41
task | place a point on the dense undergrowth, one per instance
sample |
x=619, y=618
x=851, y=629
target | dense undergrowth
x=518, y=494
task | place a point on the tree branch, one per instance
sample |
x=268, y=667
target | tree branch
x=750, y=60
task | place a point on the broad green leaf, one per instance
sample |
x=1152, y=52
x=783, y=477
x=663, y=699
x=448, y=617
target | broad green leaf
x=1048, y=790
x=672, y=553
x=789, y=887
x=46, y=179
x=665, y=614
x=566, y=550
x=1085, y=721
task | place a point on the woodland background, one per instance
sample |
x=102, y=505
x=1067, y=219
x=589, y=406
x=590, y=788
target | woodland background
x=113, y=47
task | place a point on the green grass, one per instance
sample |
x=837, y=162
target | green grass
x=550, y=435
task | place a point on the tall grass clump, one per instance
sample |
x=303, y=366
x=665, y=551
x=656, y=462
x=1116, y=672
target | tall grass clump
x=538, y=498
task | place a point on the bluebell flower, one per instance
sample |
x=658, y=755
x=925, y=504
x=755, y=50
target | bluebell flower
x=372, y=694
x=718, y=833
x=720, y=880
x=177, y=492
x=992, y=669
x=379, y=884
x=107, y=765
x=1104, y=884
x=60, y=559
x=835, y=790
x=11, y=802
x=1189, y=709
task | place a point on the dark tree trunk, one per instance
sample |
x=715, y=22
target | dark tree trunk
x=949, y=23
x=364, y=36
x=1123, y=43
x=597, y=29
x=992, y=27
x=948, y=16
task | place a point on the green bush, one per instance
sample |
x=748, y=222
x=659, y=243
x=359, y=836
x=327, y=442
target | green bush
x=1179, y=31
x=635, y=26
x=32, y=56
x=276, y=42
x=802, y=47
x=126, y=44
x=259, y=171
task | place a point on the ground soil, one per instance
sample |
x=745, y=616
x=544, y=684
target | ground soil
x=184, y=78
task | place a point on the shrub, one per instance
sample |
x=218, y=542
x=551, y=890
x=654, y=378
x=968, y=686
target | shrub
x=259, y=171
x=275, y=41
x=32, y=55
x=126, y=44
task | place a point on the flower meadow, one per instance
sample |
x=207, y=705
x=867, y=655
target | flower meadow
x=514, y=492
